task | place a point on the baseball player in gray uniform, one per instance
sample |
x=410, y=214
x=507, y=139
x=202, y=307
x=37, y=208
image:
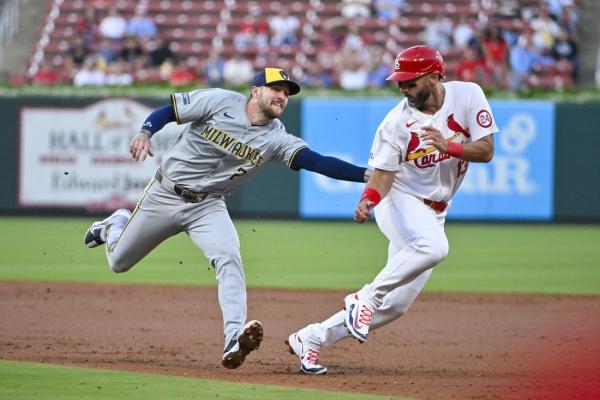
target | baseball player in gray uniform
x=228, y=139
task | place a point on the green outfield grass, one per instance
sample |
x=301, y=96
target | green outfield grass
x=26, y=381
x=286, y=254
x=336, y=255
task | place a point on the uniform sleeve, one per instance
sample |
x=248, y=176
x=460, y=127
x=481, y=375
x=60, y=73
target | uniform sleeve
x=481, y=119
x=197, y=105
x=386, y=152
x=286, y=147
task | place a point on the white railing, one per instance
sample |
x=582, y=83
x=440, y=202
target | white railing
x=9, y=23
x=40, y=48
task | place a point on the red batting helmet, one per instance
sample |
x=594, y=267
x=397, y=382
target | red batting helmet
x=417, y=61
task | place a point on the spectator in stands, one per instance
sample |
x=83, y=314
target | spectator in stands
x=284, y=28
x=378, y=67
x=141, y=25
x=565, y=49
x=78, y=51
x=253, y=33
x=495, y=55
x=117, y=74
x=316, y=76
x=353, y=70
x=132, y=53
x=213, y=68
x=555, y=7
x=107, y=50
x=46, y=76
x=238, y=70
x=182, y=74
x=86, y=26
x=89, y=74
x=335, y=31
x=113, y=26
x=471, y=68
x=160, y=52
x=388, y=9
x=523, y=57
x=356, y=8
x=568, y=17
x=353, y=39
x=437, y=33
x=545, y=30
x=166, y=69
x=509, y=8
x=463, y=32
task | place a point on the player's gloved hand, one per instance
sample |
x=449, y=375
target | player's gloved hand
x=363, y=210
x=368, y=173
x=140, y=146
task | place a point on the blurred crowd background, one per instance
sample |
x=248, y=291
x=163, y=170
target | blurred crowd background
x=350, y=44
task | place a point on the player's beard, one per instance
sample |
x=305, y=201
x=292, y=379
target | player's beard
x=420, y=98
x=270, y=110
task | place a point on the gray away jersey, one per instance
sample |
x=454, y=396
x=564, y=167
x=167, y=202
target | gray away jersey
x=220, y=149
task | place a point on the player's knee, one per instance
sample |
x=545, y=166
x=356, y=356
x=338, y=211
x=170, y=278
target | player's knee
x=436, y=249
x=226, y=256
x=441, y=249
x=119, y=264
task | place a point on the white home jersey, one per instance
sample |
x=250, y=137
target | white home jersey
x=423, y=171
x=219, y=150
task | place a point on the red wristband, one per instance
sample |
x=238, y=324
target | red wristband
x=372, y=195
x=455, y=149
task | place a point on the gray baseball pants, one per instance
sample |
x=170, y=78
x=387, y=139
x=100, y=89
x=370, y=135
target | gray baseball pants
x=160, y=214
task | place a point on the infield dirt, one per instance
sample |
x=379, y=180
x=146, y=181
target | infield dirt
x=449, y=346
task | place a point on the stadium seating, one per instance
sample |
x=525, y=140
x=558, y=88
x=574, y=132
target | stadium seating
x=194, y=28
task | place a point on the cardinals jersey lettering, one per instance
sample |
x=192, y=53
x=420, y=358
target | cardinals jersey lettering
x=423, y=171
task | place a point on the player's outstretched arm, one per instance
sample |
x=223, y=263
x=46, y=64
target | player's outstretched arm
x=377, y=188
x=329, y=166
x=140, y=145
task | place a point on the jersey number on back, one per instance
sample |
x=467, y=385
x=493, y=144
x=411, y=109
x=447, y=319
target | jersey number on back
x=241, y=171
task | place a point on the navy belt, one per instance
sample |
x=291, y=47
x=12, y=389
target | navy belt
x=186, y=195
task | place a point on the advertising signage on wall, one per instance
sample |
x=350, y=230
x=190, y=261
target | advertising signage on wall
x=79, y=157
x=517, y=184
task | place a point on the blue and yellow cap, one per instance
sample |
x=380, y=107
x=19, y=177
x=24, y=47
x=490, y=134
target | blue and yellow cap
x=275, y=75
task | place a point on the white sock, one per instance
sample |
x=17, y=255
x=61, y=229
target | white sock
x=333, y=329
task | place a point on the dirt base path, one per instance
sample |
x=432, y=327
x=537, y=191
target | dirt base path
x=449, y=346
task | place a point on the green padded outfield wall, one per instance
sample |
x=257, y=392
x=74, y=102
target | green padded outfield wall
x=577, y=163
x=9, y=125
x=273, y=193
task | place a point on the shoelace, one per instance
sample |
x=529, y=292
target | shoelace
x=312, y=356
x=365, y=315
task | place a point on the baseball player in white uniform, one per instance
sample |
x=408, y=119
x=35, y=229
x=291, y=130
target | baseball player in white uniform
x=420, y=155
x=228, y=139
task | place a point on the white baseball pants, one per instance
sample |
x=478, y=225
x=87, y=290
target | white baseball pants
x=417, y=244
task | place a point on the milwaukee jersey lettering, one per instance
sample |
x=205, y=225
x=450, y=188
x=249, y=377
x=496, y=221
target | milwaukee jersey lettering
x=219, y=149
x=423, y=171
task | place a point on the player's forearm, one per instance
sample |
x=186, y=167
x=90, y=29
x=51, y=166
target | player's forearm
x=381, y=181
x=158, y=119
x=328, y=166
x=481, y=150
